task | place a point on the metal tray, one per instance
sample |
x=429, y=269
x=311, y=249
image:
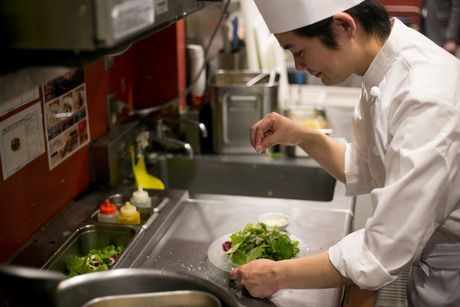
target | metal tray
x=91, y=237
x=158, y=299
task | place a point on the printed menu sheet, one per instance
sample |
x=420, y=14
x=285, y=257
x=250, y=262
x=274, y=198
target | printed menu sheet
x=66, y=116
x=21, y=138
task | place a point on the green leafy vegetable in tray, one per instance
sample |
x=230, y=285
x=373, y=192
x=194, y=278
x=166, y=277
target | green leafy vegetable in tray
x=258, y=241
x=96, y=260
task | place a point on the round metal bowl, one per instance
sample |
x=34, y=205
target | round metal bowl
x=79, y=290
x=23, y=286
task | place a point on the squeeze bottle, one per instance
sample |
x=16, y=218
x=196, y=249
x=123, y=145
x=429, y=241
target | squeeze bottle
x=129, y=214
x=108, y=213
x=141, y=199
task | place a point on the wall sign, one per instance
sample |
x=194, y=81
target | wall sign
x=21, y=139
x=66, y=116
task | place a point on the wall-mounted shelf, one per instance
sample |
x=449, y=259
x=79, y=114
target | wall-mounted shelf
x=74, y=32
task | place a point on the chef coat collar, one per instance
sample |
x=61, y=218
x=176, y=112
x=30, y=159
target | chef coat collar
x=385, y=57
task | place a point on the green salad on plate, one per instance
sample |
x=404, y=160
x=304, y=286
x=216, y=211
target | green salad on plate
x=259, y=241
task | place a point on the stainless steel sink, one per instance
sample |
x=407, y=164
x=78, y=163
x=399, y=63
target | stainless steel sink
x=249, y=175
x=159, y=299
x=26, y=286
x=146, y=285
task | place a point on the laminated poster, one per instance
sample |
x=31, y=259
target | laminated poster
x=65, y=115
x=21, y=139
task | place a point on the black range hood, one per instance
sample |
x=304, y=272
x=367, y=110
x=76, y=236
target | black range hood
x=74, y=32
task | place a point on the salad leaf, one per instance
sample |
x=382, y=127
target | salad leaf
x=96, y=260
x=258, y=241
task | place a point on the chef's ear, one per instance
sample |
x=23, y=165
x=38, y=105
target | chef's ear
x=344, y=23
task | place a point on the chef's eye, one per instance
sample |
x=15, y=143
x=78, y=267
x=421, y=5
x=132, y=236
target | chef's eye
x=298, y=53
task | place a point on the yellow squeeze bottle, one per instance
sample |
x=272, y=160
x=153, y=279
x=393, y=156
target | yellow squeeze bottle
x=129, y=214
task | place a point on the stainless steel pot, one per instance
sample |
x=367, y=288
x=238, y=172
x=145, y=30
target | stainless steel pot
x=238, y=100
x=79, y=290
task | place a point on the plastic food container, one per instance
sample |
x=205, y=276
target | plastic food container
x=272, y=219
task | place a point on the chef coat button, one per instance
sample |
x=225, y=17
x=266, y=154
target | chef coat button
x=375, y=91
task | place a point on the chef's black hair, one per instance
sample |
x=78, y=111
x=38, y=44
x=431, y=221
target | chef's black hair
x=370, y=14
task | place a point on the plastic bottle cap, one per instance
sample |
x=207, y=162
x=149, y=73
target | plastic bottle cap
x=107, y=208
x=140, y=195
x=128, y=209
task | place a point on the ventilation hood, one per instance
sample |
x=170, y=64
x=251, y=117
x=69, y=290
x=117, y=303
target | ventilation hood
x=72, y=32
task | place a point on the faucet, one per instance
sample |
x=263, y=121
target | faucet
x=199, y=125
x=187, y=129
x=159, y=137
x=168, y=142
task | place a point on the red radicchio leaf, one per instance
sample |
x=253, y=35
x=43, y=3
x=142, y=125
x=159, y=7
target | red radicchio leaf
x=226, y=245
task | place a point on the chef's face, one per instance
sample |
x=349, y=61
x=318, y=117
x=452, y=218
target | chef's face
x=332, y=66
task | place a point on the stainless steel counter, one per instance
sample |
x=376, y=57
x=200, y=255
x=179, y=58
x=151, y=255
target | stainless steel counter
x=179, y=238
x=181, y=242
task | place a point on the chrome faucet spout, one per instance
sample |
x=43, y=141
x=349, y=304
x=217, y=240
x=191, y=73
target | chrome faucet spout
x=186, y=121
x=173, y=143
x=189, y=150
x=204, y=131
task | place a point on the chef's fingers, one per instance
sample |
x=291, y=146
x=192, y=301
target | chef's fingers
x=260, y=131
x=252, y=133
x=234, y=274
x=261, y=148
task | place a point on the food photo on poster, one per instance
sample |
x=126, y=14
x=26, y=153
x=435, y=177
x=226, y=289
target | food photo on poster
x=67, y=128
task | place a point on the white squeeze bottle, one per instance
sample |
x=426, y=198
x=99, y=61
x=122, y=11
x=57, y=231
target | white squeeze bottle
x=141, y=200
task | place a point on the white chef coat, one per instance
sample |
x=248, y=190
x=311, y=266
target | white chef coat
x=406, y=154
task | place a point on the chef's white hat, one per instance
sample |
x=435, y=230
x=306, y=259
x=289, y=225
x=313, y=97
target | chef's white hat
x=286, y=15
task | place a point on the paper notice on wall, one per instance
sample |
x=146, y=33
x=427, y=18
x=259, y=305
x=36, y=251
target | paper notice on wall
x=21, y=139
x=66, y=116
x=12, y=104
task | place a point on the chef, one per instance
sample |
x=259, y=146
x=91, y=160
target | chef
x=406, y=151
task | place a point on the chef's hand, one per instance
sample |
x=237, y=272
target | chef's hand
x=258, y=277
x=275, y=129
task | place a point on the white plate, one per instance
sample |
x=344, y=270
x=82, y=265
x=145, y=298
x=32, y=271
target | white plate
x=217, y=257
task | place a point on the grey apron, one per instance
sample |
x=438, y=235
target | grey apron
x=434, y=281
